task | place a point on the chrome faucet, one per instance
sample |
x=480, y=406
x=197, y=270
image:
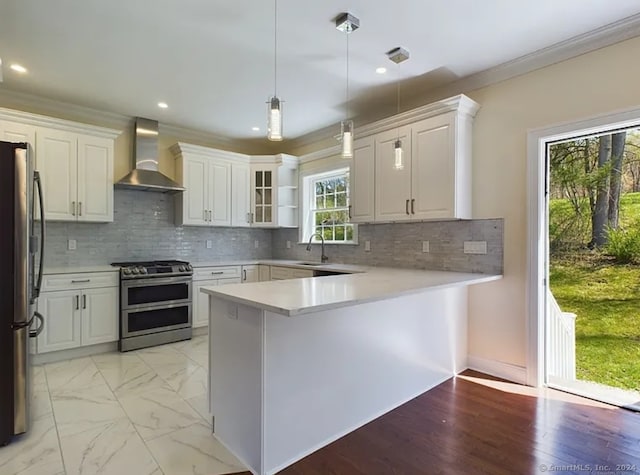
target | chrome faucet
x=323, y=258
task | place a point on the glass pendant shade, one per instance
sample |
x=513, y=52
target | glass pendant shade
x=347, y=138
x=274, y=120
x=398, y=163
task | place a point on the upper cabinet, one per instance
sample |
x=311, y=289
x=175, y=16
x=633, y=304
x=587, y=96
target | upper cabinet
x=206, y=175
x=274, y=191
x=435, y=179
x=231, y=189
x=75, y=162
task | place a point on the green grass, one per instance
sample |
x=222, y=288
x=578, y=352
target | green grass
x=606, y=299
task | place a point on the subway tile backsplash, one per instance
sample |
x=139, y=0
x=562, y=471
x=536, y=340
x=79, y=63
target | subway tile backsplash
x=144, y=228
x=400, y=245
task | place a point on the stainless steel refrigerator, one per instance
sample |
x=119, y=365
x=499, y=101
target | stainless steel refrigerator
x=21, y=247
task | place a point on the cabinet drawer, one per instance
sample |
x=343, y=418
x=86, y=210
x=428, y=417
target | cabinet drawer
x=84, y=280
x=234, y=280
x=222, y=272
x=281, y=273
x=301, y=273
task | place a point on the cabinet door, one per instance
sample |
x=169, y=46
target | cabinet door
x=56, y=159
x=362, y=181
x=264, y=273
x=196, y=198
x=250, y=274
x=95, y=179
x=433, y=168
x=14, y=132
x=220, y=193
x=200, y=310
x=61, y=312
x=393, y=187
x=99, y=315
x=263, y=185
x=240, y=194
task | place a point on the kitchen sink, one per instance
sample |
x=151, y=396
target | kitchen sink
x=311, y=264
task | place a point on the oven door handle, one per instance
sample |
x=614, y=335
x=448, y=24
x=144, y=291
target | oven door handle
x=147, y=281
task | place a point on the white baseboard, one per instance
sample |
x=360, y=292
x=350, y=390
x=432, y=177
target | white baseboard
x=510, y=372
x=81, y=352
x=199, y=331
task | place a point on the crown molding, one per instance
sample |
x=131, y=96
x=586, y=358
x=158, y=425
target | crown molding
x=180, y=148
x=38, y=120
x=320, y=154
x=607, y=35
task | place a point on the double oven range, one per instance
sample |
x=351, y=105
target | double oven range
x=155, y=303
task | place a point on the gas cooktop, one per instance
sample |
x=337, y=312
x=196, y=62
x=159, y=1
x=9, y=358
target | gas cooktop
x=163, y=268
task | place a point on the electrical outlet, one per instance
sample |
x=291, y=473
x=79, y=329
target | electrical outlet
x=288, y=244
x=209, y=243
x=475, y=247
x=256, y=244
x=367, y=246
x=72, y=245
x=425, y=246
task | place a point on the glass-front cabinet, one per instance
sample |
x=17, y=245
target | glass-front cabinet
x=263, y=197
x=274, y=191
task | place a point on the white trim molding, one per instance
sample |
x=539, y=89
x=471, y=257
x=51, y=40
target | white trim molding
x=537, y=226
x=510, y=372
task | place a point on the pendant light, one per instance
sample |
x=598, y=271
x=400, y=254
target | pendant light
x=347, y=23
x=274, y=105
x=398, y=55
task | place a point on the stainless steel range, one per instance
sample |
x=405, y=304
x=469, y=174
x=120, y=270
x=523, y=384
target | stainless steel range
x=155, y=303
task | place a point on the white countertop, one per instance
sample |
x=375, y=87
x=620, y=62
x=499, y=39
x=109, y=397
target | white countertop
x=81, y=269
x=301, y=296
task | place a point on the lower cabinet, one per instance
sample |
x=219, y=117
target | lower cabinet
x=78, y=317
x=250, y=274
x=283, y=273
x=210, y=277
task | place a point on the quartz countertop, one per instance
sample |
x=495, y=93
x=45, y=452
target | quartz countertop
x=365, y=284
x=80, y=269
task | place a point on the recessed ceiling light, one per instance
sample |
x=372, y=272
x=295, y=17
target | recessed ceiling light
x=255, y=129
x=381, y=70
x=163, y=105
x=18, y=68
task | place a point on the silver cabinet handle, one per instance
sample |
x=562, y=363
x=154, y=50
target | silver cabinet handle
x=77, y=302
x=84, y=301
x=210, y=215
x=406, y=207
x=73, y=208
x=205, y=215
x=79, y=208
x=349, y=211
x=244, y=274
x=248, y=217
x=83, y=281
x=217, y=273
x=413, y=202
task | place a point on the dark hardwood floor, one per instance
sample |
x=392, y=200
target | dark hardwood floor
x=478, y=424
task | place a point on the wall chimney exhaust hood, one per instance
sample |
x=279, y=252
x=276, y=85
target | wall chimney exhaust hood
x=145, y=175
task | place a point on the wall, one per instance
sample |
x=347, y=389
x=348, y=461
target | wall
x=400, y=245
x=143, y=228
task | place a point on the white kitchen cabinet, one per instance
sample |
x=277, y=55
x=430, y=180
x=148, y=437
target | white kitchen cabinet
x=264, y=273
x=284, y=273
x=81, y=314
x=240, y=194
x=392, y=187
x=362, y=181
x=16, y=132
x=206, y=175
x=210, y=277
x=250, y=274
x=274, y=191
x=77, y=175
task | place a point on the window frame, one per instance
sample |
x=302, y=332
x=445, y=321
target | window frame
x=307, y=222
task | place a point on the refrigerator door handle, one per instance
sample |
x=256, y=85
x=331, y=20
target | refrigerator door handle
x=34, y=333
x=38, y=284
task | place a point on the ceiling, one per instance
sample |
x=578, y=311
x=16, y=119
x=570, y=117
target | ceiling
x=212, y=61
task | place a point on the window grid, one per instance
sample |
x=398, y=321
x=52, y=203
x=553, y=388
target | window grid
x=330, y=209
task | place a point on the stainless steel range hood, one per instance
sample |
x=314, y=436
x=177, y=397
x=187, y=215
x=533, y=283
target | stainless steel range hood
x=145, y=175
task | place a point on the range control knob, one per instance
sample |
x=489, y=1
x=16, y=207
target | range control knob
x=182, y=268
x=189, y=268
x=143, y=270
x=126, y=271
x=135, y=270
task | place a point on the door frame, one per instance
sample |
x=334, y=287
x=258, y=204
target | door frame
x=537, y=224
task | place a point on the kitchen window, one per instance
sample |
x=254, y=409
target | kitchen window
x=326, y=209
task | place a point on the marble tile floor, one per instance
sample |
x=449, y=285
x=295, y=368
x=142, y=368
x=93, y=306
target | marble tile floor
x=143, y=412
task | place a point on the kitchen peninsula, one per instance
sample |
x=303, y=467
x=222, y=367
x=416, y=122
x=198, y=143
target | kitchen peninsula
x=296, y=364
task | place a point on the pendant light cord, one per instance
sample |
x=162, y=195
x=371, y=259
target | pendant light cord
x=275, y=48
x=347, y=118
